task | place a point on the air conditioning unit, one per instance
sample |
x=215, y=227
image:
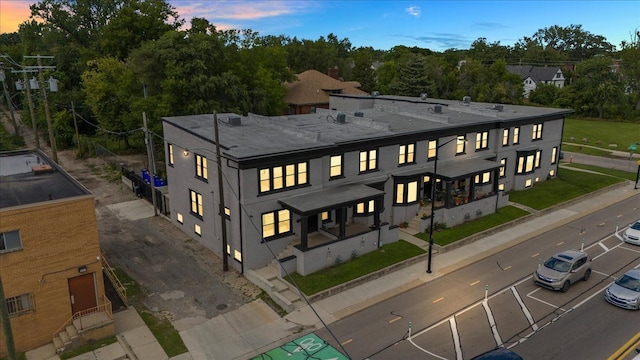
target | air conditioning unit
x=235, y=121
x=466, y=100
x=437, y=109
x=342, y=118
x=358, y=114
x=498, y=107
x=423, y=96
x=375, y=93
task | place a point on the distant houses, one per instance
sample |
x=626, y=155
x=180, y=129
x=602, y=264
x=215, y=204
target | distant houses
x=532, y=76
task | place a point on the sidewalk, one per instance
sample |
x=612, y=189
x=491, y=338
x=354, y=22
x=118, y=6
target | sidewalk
x=254, y=328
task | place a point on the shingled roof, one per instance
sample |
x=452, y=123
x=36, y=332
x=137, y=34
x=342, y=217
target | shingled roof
x=536, y=73
x=314, y=87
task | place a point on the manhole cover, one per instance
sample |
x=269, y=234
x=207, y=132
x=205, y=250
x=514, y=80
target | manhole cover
x=221, y=306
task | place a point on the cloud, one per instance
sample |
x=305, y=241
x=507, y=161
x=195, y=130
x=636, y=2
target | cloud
x=440, y=41
x=413, y=11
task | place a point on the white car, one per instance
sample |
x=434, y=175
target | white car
x=632, y=234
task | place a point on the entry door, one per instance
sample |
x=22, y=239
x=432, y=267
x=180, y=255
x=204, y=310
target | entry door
x=312, y=224
x=82, y=290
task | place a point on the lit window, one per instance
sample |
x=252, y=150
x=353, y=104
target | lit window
x=237, y=255
x=537, y=132
x=526, y=163
x=276, y=223
x=368, y=160
x=552, y=172
x=280, y=177
x=201, y=167
x=335, y=168
x=18, y=305
x=365, y=208
x=516, y=135
x=228, y=249
x=196, y=203
x=170, y=148
x=501, y=187
x=482, y=140
x=433, y=147
x=554, y=155
x=528, y=183
x=505, y=137
x=537, y=161
x=461, y=143
x=227, y=212
x=10, y=241
x=277, y=178
x=407, y=193
x=179, y=218
x=325, y=216
x=484, y=178
x=503, y=167
x=197, y=229
x=406, y=154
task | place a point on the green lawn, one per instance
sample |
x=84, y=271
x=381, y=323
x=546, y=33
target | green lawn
x=362, y=265
x=601, y=133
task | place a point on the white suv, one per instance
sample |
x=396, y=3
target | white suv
x=563, y=269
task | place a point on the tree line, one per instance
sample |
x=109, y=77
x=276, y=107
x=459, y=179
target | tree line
x=118, y=58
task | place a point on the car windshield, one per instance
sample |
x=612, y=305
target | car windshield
x=557, y=265
x=636, y=225
x=629, y=282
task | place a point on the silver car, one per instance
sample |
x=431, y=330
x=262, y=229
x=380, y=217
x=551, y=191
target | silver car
x=632, y=234
x=563, y=269
x=625, y=292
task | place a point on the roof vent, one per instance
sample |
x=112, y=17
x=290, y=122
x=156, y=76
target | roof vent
x=466, y=100
x=342, y=118
x=358, y=114
x=375, y=93
x=235, y=121
x=423, y=96
x=498, y=107
x=437, y=109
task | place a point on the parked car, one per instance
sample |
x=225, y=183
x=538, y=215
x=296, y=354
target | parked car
x=632, y=234
x=499, y=353
x=625, y=292
x=563, y=269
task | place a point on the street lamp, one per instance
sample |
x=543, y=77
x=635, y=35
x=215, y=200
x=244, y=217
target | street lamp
x=433, y=201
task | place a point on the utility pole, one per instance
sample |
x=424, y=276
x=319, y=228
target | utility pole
x=6, y=325
x=52, y=139
x=223, y=216
x=75, y=124
x=32, y=112
x=147, y=141
x=5, y=89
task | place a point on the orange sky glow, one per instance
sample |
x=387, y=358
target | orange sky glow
x=12, y=14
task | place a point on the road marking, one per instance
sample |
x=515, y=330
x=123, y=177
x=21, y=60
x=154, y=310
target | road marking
x=438, y=299
x=604, y=247
x=524, y=308
x=346, y=342
x=475, y=283
x=542, y=301
x=492, y=323
x=456, y=337
x=601, y=273
x=560, y=243
x=507, y=268
x=536, y=254
x=394, y=320
x=626, y=349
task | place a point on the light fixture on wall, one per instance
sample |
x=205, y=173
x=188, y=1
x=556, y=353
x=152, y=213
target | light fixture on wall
x=185, y=152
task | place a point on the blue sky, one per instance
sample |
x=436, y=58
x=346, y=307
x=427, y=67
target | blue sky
x=437, y=25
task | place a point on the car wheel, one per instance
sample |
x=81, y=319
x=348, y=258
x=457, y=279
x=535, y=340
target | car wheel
x=565, y=286
x=587, y=275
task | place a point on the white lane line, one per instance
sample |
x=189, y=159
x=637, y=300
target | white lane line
x=604, y=247
x=590, y=297
x=601, y=273
x=456, y=337
x=524, y=308
x=542, y=301
x=475, y=283
x=492, y=323
x=426, y=351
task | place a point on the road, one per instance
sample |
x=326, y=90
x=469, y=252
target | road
x=450, y=320
x=628, y=164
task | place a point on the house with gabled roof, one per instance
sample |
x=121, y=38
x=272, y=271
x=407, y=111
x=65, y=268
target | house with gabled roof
x=312, y=89
x=532, y=76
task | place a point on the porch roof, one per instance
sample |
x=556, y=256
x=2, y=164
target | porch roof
x=330, y=198
x=452, y=169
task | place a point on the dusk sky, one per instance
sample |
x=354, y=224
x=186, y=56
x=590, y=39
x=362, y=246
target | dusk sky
x=436, y=25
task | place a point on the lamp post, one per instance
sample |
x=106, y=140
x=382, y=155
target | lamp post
x=433, y=201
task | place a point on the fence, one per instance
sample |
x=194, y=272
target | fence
x=142, y=188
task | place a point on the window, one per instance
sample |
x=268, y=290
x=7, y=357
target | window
x=537, y=132
x=179, y=218
x=461, y=143
x=407, y=193
x=505, y=137
x=196, y=204
x=197, y=229
x=201, y=167
x=368, y=160
x=501, y=187
x=365, y=208
x=276, y=223
x=483, y=178
x=406, y=154
x=237, y=255
x=554, y=155
x=516, y=135
x=227, y=212
x=280, y=177
x=325, y=216
x=335, y=166
x=20, y=304
x=433, y=148
x=482, y=140
x=526, y=162
x=503, y=167
x=537, y=161
x=10, y=241
x=170, y=152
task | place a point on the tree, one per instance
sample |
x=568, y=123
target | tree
x=598, y=85
x=362, y=71
x=630, y=67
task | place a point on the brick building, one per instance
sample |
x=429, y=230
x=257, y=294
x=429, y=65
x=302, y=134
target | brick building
x=50, y=259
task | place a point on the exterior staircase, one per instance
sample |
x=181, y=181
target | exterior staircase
x=84, y=326
x=281, y=291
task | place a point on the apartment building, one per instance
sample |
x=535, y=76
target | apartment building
x=315, y=189
x=50, y=260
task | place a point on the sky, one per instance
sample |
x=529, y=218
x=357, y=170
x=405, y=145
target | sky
x=435, y=24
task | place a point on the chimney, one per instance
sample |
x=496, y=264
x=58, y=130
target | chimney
x=333, y=72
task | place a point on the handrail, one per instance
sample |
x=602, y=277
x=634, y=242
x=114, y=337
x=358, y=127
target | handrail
x=120, y=288
x=105, y=306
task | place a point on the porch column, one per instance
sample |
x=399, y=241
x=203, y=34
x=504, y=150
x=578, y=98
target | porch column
x=472, y=189
x=376, y=212
x=343, y=228
x=303, y=232
x=447, y=194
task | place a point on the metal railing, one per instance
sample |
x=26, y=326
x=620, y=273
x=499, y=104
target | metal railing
x=103, y=307
x=117, y=285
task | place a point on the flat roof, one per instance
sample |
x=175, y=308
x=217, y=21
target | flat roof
x=367, y=119
x=30, y=177
x=317, y=201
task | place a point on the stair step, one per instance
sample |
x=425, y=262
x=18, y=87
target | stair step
x=64, y=337
x=290, y=295
x=59, y=345
x=71, y=330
